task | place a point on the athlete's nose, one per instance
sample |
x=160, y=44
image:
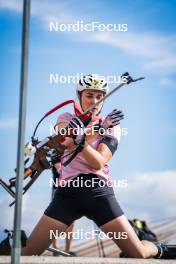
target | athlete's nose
x=94, y=100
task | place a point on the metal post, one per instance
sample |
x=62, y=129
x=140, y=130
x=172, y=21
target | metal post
x=16, y=248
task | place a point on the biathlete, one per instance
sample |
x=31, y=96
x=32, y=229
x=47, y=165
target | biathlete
x=90, y=167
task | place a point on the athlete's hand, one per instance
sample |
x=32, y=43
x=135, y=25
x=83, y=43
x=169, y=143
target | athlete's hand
x=75, y=122
x=113, y=119
x=76, y=130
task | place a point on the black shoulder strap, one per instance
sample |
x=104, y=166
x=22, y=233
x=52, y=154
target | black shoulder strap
x=80, y=147
x=74, y=153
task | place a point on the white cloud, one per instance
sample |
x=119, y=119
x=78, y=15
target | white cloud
x=150, y=195
x=12, y=5
x=168, y=82
x=155, y=51
x=34, y=203
x=43, y=10
x=33, y=208
x=151, y=50
x=7, y=213
x=8, y=123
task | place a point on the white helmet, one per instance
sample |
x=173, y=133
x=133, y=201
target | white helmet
x=92, y=81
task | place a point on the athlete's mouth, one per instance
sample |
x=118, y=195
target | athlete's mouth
x=94, y=110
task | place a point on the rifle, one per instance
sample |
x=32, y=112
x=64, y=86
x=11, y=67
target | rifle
x=50, y=150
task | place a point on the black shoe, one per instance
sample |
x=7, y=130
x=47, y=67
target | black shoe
x=5, y=247
x=123, y=255
x=166, y=251
x=73, y=254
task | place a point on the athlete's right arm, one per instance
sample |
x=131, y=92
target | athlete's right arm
x=68, y=141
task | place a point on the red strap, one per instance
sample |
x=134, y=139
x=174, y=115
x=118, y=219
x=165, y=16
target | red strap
x=59, y=106
x=77, y=109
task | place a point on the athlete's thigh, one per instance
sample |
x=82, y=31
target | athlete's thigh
x=43, y=235
x=124, y=236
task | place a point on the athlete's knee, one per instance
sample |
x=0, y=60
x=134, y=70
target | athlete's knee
x=142, y=255
x=139, y=253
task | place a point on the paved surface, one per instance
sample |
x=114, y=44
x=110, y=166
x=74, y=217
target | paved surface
x=84, y=260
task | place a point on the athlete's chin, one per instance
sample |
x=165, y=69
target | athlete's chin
x=94, y=113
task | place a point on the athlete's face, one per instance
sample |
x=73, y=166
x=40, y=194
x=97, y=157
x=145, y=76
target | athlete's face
x=90, y=97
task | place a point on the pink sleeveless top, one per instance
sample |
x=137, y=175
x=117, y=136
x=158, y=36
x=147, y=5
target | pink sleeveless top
x=79, y=165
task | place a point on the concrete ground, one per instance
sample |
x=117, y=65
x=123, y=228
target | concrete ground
x=83, y=260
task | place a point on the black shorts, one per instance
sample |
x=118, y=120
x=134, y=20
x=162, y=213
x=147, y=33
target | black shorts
x=96, y=203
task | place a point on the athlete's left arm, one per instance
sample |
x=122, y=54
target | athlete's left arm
x=104, y=152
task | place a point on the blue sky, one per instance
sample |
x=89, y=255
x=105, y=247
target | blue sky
x=146, y=156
